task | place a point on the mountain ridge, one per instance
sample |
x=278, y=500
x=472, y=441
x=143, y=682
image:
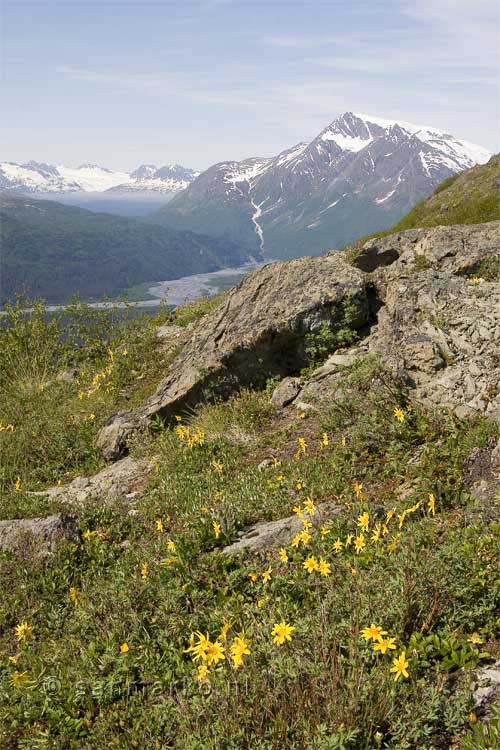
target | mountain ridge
x=356, y=176
x=38, y=177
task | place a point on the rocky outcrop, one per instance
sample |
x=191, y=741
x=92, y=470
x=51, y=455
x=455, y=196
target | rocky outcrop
x=278, y=533
x=122, y=480
x=436, y=328
x=454, y=249
x=258, y=332
x=37, y=536
x=441, y=333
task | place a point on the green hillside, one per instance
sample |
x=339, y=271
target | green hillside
x=53, y=251
x=470, y=197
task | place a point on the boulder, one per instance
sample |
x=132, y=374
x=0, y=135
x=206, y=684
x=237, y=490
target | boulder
x=286, y=392
x=258, y=332
x=38, y=536
x=122, y=480
x=278, y=533
x=454, y=249
x=114, y=437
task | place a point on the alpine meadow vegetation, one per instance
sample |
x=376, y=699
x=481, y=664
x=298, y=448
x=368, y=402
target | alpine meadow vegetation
x=361, y=633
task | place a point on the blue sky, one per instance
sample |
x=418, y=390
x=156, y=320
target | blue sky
x=124, y=82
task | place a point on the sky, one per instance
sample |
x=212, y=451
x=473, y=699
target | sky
x=126, y=82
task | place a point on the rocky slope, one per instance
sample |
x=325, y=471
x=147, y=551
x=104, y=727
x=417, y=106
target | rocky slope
x=359, y=175
x=416, y=299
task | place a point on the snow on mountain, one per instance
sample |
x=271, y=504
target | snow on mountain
x=36, y=177
x=360, y=174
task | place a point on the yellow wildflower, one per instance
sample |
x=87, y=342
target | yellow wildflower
x=266, y=575
x=283, y=555
x=306, y=524
x=14, y=659
x=324, y=531
x=216, y=528
x=168, y=561
x=384, y=645
x=324, y=567
x=202, y=673
x=214, y=653
x=199, y=648
x=18, y=679
x=373, y=633
x=302, y=445
x=310, y=564
x=23, y=631
x=262, y=601
x=399, y=414
x=359, y=543
x=401, y=518
x=171, y=545
x=364, y=521
x=343, y=441
x=475, y=639
x=18, y=485
x=309, y=507
x=240, y=647
x=280, y=478
x=74, y=595
x=298, y=511
x=124, y=648
x=390, y=515
x=253, y=577
x=358, y=489
x=377, y=532
x=224, y=631
x=337, y=546
x=282, y=632
x=305, y=537
x=144, y=570
x=325, y=440
x=298, y=486
x=217, y=466
x=348, y=540
x=159, y=526
x=400, y=666
x=431, y=504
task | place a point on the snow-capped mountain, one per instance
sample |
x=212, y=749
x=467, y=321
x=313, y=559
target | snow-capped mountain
x=359, y=175
x=36, y=177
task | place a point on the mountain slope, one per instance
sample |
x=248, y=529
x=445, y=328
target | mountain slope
x=35, y=177
x=360, y=174
x=53, y=251
x=470, y=197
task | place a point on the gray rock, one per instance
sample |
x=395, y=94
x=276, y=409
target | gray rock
x=279, y=533
x=38, y=536
x=486, y=688
x=286, y=392
x=124, y=479
x=453, y=249
x=114, y=437
x=258, y=332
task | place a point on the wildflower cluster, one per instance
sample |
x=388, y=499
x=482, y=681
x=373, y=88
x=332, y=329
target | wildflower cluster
x=210, y=653
x=6, y=427
x=189, y=437
x=100, y=379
